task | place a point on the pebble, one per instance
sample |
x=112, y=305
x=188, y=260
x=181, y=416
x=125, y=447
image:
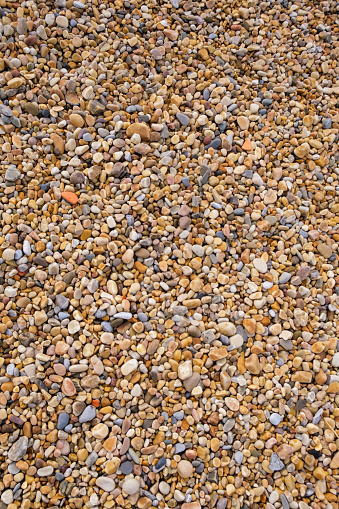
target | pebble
x=130, y=486
x=18, y=449
x=275, y=419
x=88, y=414
x=105, y=483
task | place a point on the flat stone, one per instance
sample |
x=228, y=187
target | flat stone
x=105, y=483
x=18, y=449
x=88, y=414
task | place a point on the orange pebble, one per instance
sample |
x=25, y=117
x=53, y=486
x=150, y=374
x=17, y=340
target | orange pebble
x=70, y=197
x=247, y=145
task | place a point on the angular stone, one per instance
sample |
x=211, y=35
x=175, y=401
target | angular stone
x=304, y=377
x=252, y=364
x=302, y=151
x=18, y=449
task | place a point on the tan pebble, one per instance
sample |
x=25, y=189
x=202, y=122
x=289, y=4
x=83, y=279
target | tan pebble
x=185, y=469
x=77, y=120
x=302, y=377
x=100, y=431
x=232, y=403
x=252, y=364
x=302, y=151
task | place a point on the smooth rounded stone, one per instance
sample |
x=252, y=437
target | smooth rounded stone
x=45, y=471
x=243, y=122
x=123, y=315
x=274, y=497
x=198, y=250
x=160, y=465
x=237, y=341
x=18, y=449
x=275, y=419
x=50, y=19
x=12, y=174
x=87, y=137
x=88, y=414
x=185, y=370
x=7, y=497
x=327, y=123
x=164, y=488
x=131, y=486
x=227, y=328
x=129, y=367
x=62, y=21
x=302, y=151
x=260, y=265
x=63, y=420
x=8, y=254
x=179, y=448
x=185, y=469
x=105, y=483
x=192, y=382
x=238, y=457
x=139, y=128
x=100, y=431
x=126, y=467
x=284, y=278
x=62, y=301
x=73, y=327
x=325, y=250
x=335, y=360
x=91, y=459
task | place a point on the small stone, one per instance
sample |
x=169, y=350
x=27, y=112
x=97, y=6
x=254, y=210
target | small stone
x=232, y=403
x=100, y=431
x=18, y=449
x=185, y=469
x=12, y=174
x=275, y=419
x=285, y=451
x=105, y=483
x=62, y=21
x=7, y=497
x=335, y=461
x=70, y=197
x=129, y=367
x=227, y=328
x=302, y=151
x=88, y=414
x=260, y=265
x=131, y=486
x=63, y=420
x=304, y=377
x=275, y=463
x=325, y=250
x=252, y=364
x=243, y=122
x=138, y=128
x=126, y=467
x=45, y=472
x=185, y=370
x=183, y=119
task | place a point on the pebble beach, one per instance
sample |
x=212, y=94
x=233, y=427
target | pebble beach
x=169, y=264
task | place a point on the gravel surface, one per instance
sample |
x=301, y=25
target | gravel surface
x=169, y=237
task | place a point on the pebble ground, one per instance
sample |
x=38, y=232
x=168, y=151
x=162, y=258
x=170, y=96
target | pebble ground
x=169, y=272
